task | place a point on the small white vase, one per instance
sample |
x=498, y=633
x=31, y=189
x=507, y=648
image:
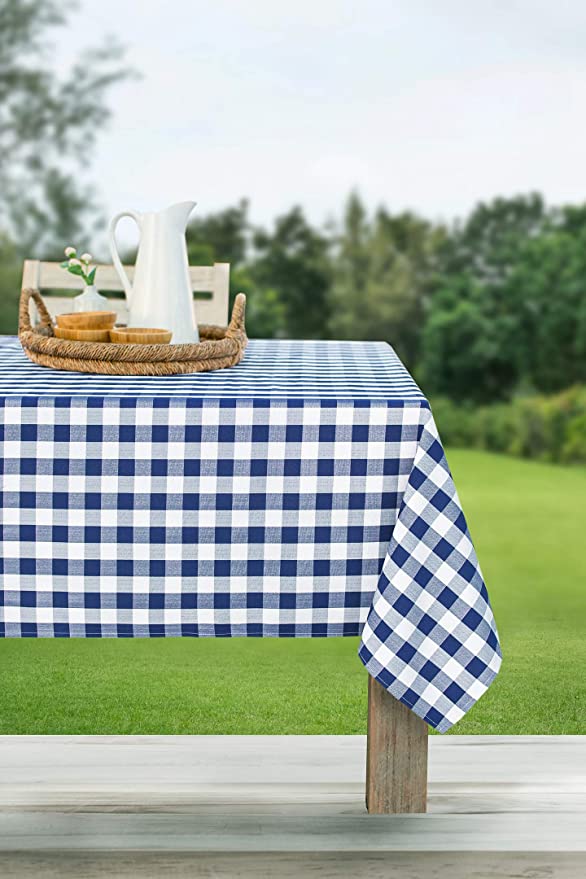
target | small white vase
x=90, y=300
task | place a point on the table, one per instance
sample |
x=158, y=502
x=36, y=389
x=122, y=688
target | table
x=303, y=493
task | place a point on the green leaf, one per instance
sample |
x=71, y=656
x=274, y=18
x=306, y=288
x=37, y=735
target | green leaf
x=75, y=270
x=65, y=264
x=92, y=275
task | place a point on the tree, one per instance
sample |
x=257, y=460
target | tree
x=548, y=287
x=485, y=246
x=468, y=351
x=219, y=237
x=382, y=277
x=351, y=262
x=294, y=260
x=473, y=337
x=10, y=277
x=48, y=125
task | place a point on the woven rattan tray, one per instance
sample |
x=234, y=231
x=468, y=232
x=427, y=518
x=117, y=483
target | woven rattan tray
x=219, y=347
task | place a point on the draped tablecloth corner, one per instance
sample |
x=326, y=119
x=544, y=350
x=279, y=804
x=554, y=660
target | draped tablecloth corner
x=303, y=493
x=430, y=637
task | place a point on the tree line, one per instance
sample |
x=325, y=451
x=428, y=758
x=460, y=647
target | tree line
x=479, y=310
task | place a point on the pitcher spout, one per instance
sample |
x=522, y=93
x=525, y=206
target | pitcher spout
x=178, y=214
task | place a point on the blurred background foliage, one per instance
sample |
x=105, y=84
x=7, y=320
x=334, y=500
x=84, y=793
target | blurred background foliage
x=488, y=313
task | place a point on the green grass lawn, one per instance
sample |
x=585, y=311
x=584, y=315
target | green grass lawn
x=527, y=520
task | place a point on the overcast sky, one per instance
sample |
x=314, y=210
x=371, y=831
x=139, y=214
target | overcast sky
x=424, y=104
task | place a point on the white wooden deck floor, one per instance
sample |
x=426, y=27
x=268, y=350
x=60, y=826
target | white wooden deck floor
x=286, y=806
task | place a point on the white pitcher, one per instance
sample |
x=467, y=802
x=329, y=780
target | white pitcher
x=161, y=294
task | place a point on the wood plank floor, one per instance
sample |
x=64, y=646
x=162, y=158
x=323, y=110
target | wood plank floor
x=287, y=806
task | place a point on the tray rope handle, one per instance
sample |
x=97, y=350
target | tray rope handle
x=236, y=325
x=24, y=314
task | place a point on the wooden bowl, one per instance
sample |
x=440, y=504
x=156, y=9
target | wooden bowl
x=87, y=320
x=82, y=335
x=140, y=336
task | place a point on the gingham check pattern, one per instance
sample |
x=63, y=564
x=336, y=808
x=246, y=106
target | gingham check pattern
x=320, y=507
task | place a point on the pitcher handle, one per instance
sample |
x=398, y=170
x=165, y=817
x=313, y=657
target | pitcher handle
x=114, y=249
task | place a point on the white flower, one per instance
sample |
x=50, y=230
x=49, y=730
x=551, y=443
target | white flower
x=70, y=251
x=86, y=257
x=74, y=262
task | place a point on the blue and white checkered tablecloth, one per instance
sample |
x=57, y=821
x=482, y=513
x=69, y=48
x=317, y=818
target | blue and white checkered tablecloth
x=304, y=492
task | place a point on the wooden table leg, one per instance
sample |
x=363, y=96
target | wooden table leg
x=396, y=755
